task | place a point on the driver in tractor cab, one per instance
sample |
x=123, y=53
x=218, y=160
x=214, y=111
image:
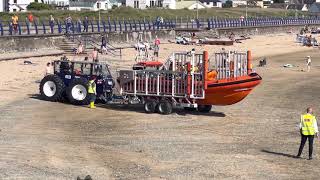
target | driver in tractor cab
x=92, y=91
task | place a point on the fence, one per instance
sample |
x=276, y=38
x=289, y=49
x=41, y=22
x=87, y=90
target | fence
x=90, y=26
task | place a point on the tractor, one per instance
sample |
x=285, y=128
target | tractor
x=70, y=82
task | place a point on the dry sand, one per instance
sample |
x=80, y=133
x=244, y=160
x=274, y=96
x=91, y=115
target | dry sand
x=254, y=139
x=19, y=81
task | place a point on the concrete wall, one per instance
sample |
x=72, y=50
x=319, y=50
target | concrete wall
x=24, y=44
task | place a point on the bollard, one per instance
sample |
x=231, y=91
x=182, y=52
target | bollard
x=35, y=26
x=130, y=25
x=98, y=25
x=92, y=27
x=1, y=29
x=115, y=25
x=59, y=27
x=28, y=27
x=10, y=28
x=104, y=26
x=125, y=25
x=51, y=26
x=72, y=26
x=144, y=25
x=135, y=25
x=139, y=25
x=44, y=28
x=79, y=27
x=208, y=21
x=19, y=28
x=120, y=26
x=109, y=24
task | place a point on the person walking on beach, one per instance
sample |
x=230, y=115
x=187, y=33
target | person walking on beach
x=308, y=63
x=95, y=55
x=308, y=129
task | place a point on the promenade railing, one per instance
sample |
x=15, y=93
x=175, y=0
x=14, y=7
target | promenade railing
x=42, y=27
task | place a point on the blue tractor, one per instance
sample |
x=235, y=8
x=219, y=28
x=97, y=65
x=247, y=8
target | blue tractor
x=70, y=82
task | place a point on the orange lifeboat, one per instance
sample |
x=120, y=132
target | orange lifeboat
x=229, y=91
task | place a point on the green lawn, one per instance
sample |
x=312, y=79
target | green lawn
x=130, y=13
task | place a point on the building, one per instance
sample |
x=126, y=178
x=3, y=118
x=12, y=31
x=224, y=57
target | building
x=237, y=3
x=2, y=6
x=315, y=8
x=18, y=5
x=190, y=5
x=92, y=5
x=212, y=3
x=143, y=4
x=59, y=4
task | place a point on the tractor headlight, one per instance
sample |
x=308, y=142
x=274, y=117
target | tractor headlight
x=110, y=83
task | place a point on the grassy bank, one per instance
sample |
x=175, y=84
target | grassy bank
x=126, y=13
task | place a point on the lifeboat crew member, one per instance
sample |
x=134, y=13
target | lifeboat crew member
x=92, y=91
x=308, y=129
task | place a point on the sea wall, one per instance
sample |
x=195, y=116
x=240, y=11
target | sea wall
x=48, y=41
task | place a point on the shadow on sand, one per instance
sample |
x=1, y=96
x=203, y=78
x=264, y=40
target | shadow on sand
x=139, y=108
x=278, y=153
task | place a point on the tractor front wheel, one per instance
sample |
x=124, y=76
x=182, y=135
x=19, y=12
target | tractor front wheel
x=52, y=88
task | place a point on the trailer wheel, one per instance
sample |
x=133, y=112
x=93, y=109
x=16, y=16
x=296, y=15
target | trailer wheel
x=189, y=109
x=52, y=88
x=204, y=108
x=77, y=92
x=164, y=107
x=150, y=106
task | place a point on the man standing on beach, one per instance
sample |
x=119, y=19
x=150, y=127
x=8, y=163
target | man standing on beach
x=308, y=129
x=308, y=63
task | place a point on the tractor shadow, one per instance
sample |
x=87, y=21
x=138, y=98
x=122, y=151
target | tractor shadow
x=140, y=109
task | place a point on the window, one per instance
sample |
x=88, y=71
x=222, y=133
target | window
x=136, y=4
x=14, y=10
x=160, y=3
x=106, y=6
x=15, y=1
x=152, y=3
x=98, y=5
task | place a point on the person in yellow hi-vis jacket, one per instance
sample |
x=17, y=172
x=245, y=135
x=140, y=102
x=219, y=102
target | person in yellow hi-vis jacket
x=92, y=91
x=308, y=129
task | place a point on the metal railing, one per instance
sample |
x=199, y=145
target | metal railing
x=94, y=26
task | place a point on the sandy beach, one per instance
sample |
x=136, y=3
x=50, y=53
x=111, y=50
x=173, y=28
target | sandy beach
x=254, y=139
x=20, y=81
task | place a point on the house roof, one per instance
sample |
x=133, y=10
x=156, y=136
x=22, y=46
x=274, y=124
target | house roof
x=315, y=8
x=187, y=4
x=295, y=6
x=208, y=1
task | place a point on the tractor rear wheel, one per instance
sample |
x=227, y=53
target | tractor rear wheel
x=52, y=88
x=164, y=107
x=150, y=106
x=77, y=92
x=204, y=108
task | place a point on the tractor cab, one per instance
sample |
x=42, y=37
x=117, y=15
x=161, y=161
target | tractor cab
x=71, y=78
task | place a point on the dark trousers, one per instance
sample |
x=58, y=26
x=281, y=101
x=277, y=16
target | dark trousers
x=303, y=141
x=92, y=97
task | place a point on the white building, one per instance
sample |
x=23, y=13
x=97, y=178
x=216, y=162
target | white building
x=142, y=4
x=190, y=5
x=212, y=3
x=2, y=5
x=236, y=3
x=19, y=5
x=60, y=4
x=92, y=5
